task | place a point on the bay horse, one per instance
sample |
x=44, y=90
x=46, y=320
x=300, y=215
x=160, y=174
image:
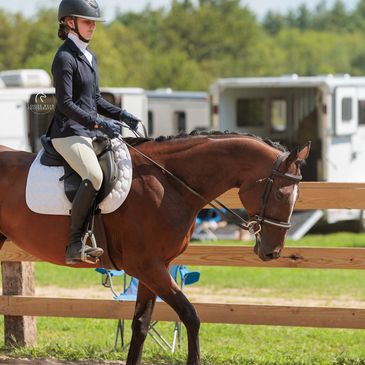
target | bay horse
x=155, y=223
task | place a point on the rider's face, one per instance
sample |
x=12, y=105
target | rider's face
x=86, y=27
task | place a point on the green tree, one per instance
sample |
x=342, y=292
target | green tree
x=13, y=42
x=304, y=17
x=273, y=22
x=42, y=41
x=134, y=56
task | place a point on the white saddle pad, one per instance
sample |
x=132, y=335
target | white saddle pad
x=45, y=194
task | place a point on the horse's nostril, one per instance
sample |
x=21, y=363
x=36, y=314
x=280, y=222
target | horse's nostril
x=273, y=255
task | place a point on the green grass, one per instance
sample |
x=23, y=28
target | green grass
x=73, y=339
x=340, y=239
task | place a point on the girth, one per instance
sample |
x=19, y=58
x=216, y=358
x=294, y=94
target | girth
x=71, y=179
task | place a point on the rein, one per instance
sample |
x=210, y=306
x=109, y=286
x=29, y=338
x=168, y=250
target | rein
x=252, y=225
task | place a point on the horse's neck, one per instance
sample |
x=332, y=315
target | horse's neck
x=214, y=165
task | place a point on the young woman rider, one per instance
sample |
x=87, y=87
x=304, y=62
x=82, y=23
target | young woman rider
x=76, y=119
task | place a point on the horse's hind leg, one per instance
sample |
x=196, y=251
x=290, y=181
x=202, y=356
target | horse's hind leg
x=141, y=321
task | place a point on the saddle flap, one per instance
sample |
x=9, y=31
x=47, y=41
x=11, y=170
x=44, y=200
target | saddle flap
x=50, y=156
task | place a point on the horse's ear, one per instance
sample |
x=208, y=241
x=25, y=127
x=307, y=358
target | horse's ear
x=298, y=154
x=304, y=152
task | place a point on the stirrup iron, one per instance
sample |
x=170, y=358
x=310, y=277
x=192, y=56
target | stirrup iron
x=91, y=257
x=87, y=257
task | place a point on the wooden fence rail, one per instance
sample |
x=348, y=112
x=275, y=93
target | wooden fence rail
x=209, y=255
x=208, y=312
x=312, y=196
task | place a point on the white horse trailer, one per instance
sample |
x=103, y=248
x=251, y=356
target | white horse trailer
x=26, y=113
x=134, y=100
x=15, y=109
x=171, y=112
x=26, y=78
x=328, y=110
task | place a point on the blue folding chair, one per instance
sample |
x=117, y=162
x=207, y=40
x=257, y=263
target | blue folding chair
x=207, y=221
x=179, y=273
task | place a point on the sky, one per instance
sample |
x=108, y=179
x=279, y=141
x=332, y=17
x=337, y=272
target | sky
x=259, y=7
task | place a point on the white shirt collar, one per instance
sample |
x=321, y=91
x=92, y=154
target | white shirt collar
x=82, y=46
x=79, y=43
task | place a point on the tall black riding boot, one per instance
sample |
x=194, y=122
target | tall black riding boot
x=81, y=210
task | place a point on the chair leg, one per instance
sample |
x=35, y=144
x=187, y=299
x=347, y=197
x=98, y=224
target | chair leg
x=179, y=334
x=120, y=330
x=174, y=337
x=157, y=337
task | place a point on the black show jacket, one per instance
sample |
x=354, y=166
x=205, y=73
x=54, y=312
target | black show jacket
x=78, y=95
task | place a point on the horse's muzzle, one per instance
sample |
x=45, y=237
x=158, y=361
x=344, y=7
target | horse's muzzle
x=273, y=255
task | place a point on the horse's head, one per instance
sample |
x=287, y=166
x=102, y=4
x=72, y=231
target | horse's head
x=270, y=202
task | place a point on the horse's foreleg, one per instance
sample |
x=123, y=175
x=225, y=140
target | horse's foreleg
x=141, y=321
x=189, y=317
x=166, y=288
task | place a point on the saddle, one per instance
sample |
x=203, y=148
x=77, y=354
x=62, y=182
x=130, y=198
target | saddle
x=71, y=179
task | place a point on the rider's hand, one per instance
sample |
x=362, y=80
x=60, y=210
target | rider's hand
x=109, y=127
x=129, y=119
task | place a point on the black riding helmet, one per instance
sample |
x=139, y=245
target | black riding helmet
x=87, y=9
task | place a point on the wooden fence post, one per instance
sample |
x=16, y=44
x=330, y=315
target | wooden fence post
x=18, y=279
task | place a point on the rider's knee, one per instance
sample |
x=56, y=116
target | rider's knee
x=96, y=177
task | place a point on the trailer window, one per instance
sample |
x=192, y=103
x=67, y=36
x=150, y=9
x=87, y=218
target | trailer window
x=180, y=121
x=40, y=113
x=278, y=115
x=361, y=111
x=109, y=97
x=150, y=122
x=346, y=109
x=250, y=112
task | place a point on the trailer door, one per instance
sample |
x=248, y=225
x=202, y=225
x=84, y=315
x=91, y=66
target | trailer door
x=346, y=111
x=13, y=131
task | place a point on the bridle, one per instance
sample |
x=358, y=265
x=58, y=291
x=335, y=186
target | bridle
x=253, y=225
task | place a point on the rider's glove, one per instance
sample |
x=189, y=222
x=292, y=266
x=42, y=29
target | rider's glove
x=109, y=127
x=129, y=119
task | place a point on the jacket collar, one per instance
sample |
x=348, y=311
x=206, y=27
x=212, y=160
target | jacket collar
x=76, y=50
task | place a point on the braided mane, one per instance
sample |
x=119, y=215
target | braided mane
x=137, y=141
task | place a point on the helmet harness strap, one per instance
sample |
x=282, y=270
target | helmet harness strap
x=76, y=30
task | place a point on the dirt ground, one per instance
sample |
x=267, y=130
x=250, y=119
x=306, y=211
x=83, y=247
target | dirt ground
x=203, y=295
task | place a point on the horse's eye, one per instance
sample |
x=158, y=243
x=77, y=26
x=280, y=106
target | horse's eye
x=279, y=195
